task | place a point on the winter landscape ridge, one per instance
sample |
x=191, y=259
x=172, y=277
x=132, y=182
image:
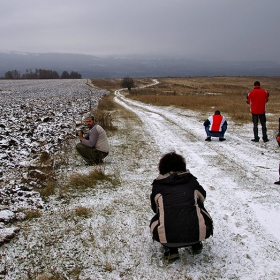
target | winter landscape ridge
x=134, y=66
x=112, y=241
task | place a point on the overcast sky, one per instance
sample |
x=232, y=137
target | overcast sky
x=199, y=29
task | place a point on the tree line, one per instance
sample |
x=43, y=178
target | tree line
x=41, y=74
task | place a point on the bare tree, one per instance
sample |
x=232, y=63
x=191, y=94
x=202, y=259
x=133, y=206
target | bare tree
x=65, y=75
x=13, y=74
x=75, y=75
x=128, y=83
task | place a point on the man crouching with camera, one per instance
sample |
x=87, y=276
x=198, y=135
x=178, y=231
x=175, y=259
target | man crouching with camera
x=93, y=146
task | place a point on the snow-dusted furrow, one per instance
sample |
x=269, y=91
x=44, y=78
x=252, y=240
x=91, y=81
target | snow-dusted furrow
x=37, y=118
x=39, y=115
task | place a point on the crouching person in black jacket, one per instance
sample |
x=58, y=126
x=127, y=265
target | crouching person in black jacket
x=177, y=199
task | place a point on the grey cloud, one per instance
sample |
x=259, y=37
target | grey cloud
x=217, y=29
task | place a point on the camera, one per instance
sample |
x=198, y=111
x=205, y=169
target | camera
x=77, y=132
x=80, y=128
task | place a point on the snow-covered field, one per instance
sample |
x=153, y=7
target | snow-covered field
x=36, y=117
x=114, y=241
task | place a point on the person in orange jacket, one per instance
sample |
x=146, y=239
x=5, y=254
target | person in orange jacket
x=257, y=98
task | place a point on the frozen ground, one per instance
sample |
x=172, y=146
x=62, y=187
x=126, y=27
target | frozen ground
x=114, y=241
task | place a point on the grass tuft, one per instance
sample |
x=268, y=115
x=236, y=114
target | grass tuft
x=44, y=157
x=48, y=190
x=82, y=211
x=87, y=181
x=32, y=214
x=80, y=181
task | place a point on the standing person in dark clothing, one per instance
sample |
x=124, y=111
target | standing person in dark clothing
x=278, y=182
x=93, y=146
x=177, y=199
x=278, y=142
x=257, y=98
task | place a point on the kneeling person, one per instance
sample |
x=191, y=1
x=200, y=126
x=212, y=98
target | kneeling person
x=93, y=146
x=177, y=200
x=215, y=126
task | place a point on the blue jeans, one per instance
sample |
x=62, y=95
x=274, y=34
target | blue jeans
x=216, y=134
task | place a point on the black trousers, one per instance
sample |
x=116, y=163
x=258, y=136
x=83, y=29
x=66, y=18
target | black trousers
x=255, y=119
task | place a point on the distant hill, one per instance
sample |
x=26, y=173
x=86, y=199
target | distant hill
x=118, y=67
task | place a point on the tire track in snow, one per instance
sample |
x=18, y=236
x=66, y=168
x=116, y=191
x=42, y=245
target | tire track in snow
x=235, y=170
x=183, y=131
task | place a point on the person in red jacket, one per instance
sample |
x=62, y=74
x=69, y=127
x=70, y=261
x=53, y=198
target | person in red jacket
x=216, y=126
x=257, y=98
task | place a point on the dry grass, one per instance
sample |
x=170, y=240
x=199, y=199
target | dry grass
x=83, y=181
x=45, y=157
x=105, y=120
x=46, y=183
x=103, y=113
x=55, y=276
x=106, y=103
x=82, y=211
x=114, y=84
x=48, y=190
x=206, y=94
x=78, y=180
x=108, y=84
x=106, y=106
x=32, y=214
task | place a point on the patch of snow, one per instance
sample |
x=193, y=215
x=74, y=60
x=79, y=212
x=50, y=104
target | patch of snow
x=6, y=215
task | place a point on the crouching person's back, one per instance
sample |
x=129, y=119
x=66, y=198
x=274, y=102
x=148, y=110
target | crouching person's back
x=177, y=198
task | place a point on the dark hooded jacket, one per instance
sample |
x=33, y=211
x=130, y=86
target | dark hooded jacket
x=181, y=219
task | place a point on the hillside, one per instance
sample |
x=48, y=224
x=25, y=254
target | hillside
x=133, y=66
